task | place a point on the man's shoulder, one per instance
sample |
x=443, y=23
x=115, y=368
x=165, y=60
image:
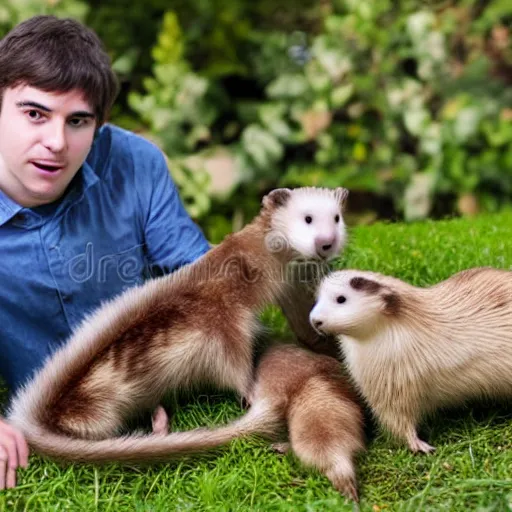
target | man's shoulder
x=115, y=147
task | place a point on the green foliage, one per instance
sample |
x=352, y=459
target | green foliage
x=405, y=104
x=179, y=112
x=13, y=12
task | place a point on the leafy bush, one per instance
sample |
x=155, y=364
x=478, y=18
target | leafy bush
x=13, y=12
x=406, y=104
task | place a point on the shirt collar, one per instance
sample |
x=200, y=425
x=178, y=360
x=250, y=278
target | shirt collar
x=8, y=208
x=28, y=217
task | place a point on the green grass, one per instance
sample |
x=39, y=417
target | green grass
x=471, y=469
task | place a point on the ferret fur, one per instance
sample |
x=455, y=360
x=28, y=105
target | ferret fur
x=412, y=350
x=195, y=326
x=308, y=394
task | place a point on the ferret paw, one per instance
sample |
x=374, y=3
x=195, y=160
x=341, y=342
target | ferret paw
x=160, y=421
x=417, y=445
x=282, y=448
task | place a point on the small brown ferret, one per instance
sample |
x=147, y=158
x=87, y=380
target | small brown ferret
x=308, y=394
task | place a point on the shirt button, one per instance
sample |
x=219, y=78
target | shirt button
x=19, y=217
x=66, y=297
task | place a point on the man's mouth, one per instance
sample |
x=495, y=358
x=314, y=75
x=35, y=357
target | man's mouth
x=47, y=167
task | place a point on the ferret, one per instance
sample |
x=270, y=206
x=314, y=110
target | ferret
x=196, y=326
x=308, y=395
x=412, y=350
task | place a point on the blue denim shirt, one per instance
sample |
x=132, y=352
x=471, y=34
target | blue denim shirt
x=120, y=221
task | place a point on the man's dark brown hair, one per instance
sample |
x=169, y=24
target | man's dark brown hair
x=58, y=55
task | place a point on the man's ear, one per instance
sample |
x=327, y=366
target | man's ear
x=276, y=198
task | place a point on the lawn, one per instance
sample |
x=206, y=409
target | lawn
x=471, y=469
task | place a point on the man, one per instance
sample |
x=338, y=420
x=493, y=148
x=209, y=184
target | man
x=86, y=209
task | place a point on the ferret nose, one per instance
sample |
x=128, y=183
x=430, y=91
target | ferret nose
x=324, y=244
x=314, y=321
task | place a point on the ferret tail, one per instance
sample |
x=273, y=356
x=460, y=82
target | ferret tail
x=145, y=448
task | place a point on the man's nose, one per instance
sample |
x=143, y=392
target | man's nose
x=55, y=137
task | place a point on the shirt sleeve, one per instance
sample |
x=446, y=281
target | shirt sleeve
x=172, y=239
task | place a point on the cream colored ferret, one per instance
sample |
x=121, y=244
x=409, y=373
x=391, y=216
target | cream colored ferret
x=412, y=350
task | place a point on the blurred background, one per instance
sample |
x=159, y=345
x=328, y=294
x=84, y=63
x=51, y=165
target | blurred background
x=406, y=103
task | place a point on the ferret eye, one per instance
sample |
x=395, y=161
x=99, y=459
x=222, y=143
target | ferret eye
x=341, y=299
x=308, y=219
x=337, y=219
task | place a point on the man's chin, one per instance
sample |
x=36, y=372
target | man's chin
x=38, y=197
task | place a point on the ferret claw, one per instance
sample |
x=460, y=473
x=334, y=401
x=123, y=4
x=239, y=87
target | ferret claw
x=417, y=445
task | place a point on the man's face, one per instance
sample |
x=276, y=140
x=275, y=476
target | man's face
x=44, y=139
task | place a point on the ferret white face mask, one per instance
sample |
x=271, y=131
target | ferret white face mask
x=349, y=304
x=311, y=222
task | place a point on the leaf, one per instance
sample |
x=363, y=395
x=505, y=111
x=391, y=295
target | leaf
x=466, y=123
x=419, y=24
x=125, y=63
x=288, y=86
x=359, y=152
x=261, y=145
x=416, y=119
x=336, y=62
x=271, y=115
x=431, y=140
x=340, y=95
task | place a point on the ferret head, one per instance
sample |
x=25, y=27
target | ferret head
x=308, y=222
x=354, y=303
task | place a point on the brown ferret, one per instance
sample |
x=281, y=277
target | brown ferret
x=412, y=350
x=307, y=395
x=196, y=326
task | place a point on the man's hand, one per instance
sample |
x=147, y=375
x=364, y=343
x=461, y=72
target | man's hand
x=13, y=454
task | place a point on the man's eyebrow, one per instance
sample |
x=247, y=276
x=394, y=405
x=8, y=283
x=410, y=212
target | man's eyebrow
x=34, y=104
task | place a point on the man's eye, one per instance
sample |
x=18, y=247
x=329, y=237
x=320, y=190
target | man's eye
x=77, y=121
x=34, y=115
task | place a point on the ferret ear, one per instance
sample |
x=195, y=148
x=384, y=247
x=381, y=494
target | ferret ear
x=341, y=195
x=276, y=198
x=391, y=303
x=365, y=285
